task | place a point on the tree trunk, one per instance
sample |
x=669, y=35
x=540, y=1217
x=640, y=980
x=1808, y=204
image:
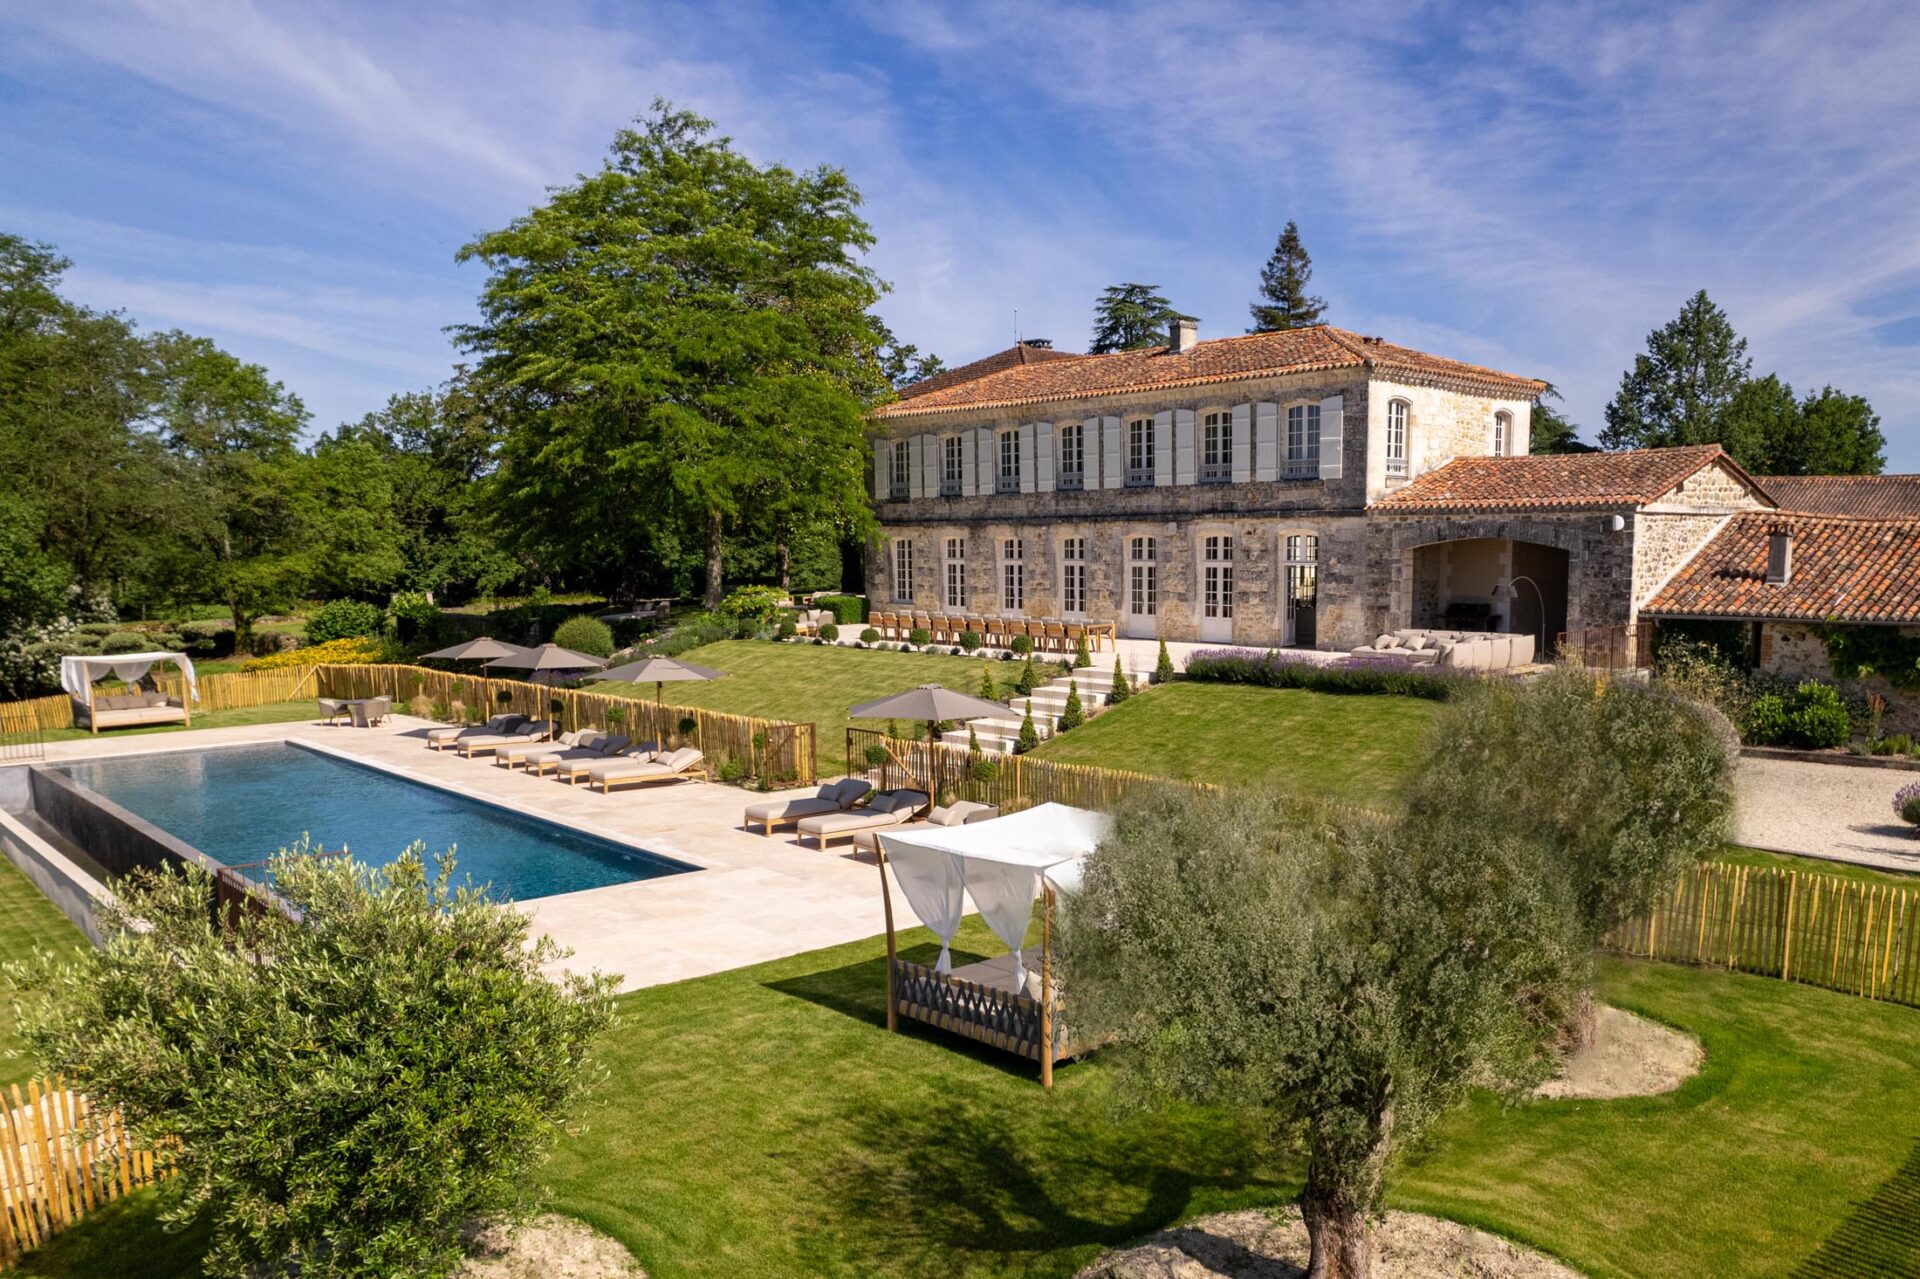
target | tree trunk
x=716, y=544
x=1585, y=1027
x=1336, y=1232
x=786, y=567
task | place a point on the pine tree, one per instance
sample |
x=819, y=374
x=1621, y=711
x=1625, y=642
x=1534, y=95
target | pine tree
x=1075, y=714
x=1163, y=669
x=1551, y=432
x=973, y=740
x=1128, y=316
x=1029, y=678
x=1122, y=690
x=1679, y=391
x=989, y=691
x=1283, y=288
x=1029, y=735
x=1081, y=657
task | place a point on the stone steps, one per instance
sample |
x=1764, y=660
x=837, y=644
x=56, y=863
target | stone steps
x=997, y=736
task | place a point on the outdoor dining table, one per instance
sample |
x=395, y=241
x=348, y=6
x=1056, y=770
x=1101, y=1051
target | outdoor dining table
x=361, y=712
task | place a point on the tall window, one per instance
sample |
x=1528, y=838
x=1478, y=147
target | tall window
x=1216, y=448
x=1397, y=412
x=1216, y=573
x=1303, y=589
x=1143, y=581
x=900, y=470
x=1303, y=442
x=1073, y=576
x=1007, y=479
x=902, y=571
x=1073, y=457
x=1140, y=451
x=1013, y=576
x=1502, y=433
x=956, y=592
x=952, y=465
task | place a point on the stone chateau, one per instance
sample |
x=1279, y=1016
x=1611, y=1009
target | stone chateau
x=1315, y=487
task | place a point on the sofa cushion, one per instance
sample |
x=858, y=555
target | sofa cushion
x=1385, y=641
x=1417, y=643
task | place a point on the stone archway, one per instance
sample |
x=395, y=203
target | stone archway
x=1466, y=574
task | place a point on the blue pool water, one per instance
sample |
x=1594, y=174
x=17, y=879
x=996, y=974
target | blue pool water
x=243, y=804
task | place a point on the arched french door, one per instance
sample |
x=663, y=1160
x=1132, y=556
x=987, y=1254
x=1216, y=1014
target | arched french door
x=1142, y=618
x=1301, y=564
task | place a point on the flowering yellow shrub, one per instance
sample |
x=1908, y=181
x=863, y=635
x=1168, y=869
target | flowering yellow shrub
x=340, y=652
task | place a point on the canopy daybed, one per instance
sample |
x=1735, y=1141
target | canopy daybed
x=136, y=706
x=1003, y=865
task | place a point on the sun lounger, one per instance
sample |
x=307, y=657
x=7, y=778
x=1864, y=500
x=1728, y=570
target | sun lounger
x=835, y=797
x=676, y=765
x=440, y=738
x=574, y=770
x=538, y=762
x=893, y=808
x=537, y=731
x=959, y=814
x=514, y=756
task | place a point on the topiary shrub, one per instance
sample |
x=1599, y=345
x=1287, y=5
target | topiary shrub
x=788, y=628
x=1074, y=714
x=876, y=755
x=870, y=636
x=344, y=619
x=126, y=642
x=585, y=634
x=989, y=691
x=919, y=637
x=830, y=632
x=357, y=1143
x=207, y=639
x=1163, y=669
x=1022, y=644
x=970, y=640
x=1122, y=689
x=1029, y=738
x=1082, y=657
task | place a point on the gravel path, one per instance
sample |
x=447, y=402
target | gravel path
x=1824, y=810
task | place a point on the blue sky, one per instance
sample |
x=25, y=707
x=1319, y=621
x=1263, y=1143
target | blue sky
x=1528, y=186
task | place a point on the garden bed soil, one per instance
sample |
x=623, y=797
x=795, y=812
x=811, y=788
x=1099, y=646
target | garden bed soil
x=1629, y=1057
x=1255, y=1244
x=551, y=1246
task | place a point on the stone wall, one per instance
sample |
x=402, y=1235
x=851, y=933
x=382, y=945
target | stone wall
x=1670, y=532
x=1795, y=650
x=1443, y=425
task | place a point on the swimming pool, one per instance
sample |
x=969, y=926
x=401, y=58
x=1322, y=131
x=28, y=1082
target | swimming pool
x=244, y=803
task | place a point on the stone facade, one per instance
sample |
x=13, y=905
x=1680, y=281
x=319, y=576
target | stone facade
x=1795, y=650
x=1672, y=531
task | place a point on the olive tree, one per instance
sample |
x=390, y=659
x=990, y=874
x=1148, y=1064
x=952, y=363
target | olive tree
x=341, y=1088
x=1345, y=981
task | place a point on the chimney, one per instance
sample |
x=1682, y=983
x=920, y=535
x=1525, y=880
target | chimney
x=1182, y=334
x=1779, y=555
x=1038, y=344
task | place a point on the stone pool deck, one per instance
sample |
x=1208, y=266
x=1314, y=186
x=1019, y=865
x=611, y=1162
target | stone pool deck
x=751, y=899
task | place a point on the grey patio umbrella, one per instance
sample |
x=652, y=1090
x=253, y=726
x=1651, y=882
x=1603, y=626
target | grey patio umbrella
x=550, y=658
x=659, y=671
x=484, y=650
x=930, y=702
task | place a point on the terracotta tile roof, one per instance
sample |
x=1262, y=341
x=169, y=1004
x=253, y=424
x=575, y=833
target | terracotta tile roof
x=1013, y=357
x=1563, y=481
x=1889, y=495
x=1845, y=568
x=1254, y=355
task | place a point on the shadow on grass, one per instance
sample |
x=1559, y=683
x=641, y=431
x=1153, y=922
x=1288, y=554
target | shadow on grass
x=1879, y=1237
x=125, y=1240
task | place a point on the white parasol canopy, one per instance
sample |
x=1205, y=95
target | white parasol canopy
x=1000, y=863
x=78, y=672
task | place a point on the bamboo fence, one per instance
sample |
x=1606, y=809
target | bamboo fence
x=778, y=752
x=233, y=690
x=59, y=1160
x=1009, y=782
x=1846, y=935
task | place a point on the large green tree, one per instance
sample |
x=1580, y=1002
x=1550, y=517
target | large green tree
x=1284, y=302
x=1677, y=392
x=1551, y=430
x=1129, y=316
x=673, y=337
x=1835, y=434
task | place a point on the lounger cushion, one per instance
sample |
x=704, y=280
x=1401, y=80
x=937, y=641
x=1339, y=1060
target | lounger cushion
x=868, y=818
x=782, y=809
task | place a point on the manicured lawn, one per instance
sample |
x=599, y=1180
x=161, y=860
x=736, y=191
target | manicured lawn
x=1345, y=747
x=28, y=923
x=273, y=713
x=816, y=683
x=1818, y=866
x=762, y=1123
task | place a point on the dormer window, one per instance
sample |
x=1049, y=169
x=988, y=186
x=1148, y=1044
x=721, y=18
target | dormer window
x=1398, y=414
x=1502, y=434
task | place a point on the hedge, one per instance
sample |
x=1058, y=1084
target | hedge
x=1274, y=669
x=848, y=610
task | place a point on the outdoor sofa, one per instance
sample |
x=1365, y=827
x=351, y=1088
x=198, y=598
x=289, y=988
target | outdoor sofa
x=683, y=764
x=834, y=797
x=438, y=739
x=964, y=813
x=535, y=731
x=887, y=809
x=129, y=710
x=1453, y=650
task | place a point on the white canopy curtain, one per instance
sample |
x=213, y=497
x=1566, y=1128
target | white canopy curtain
x=999, y=863
x=76, y=673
